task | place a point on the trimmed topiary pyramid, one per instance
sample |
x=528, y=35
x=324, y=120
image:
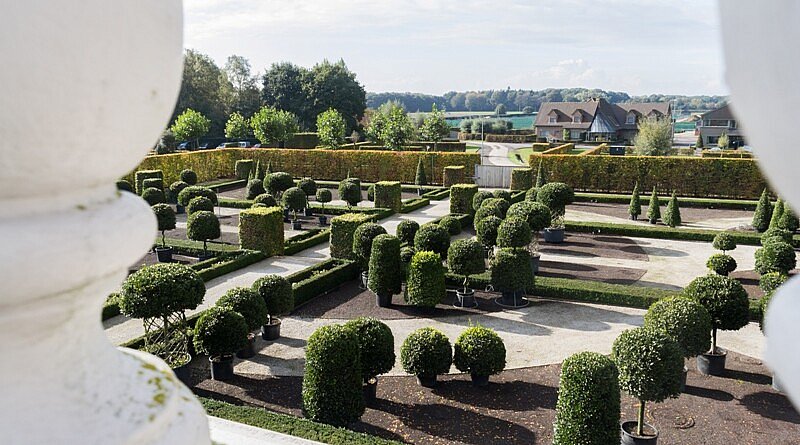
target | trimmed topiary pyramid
x=763, y=213
x=672, y=217
x=654, y=209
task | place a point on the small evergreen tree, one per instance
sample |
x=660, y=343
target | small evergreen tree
x=723, y=142
x=635, y=207
x=777, y=213
x=763, y=213
x=788, y=220
x=699, y=143
x=654, y=210
x=421, y=178
x=672, y=217
x=540, y=178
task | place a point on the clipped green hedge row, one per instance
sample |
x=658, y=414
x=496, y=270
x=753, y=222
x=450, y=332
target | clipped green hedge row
x=305, y=240
x=413, y=204
x=320, y=279
x=461, y=198
x=437, y=195
x=522, y=178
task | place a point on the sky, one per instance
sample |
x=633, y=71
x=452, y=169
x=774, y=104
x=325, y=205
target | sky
x=435, y=46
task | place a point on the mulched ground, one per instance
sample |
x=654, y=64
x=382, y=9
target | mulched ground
x=518, y=407
x=688, y=214
x=584, y=245
x=749, y=280
x=239, y=193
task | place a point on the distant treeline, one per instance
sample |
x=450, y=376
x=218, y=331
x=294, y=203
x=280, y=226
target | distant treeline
x=517, y=100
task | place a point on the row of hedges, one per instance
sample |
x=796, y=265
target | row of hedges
x=541, y=146
x=595, y=151
x=703, y=203
x=740, y=154
x=443, y=146
x=561, y=149
x=687, y=176
x=409, y=205
x=303, y=241
x=321, y=279
x=300, y=140
x=369, y=166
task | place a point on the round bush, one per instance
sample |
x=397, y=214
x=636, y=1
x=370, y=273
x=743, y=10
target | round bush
x=530, y=195
x=153, y=196
x=247, y=302
x=479, y=197
x=487, y=231
x=175, y=189
x=479, y=351
x=375, y=344
x=220, y=331
x=385, y=270
x=724, y=242
x=511, y=270
x=278, y=182
x=202, y=225
x=451, y=224
x=724, y=298
x=721, y=263
x=556, y=196
x=362, y=241
x=154, y=183
x=683, y=319
x=502, y=194
x=350, y=192
x=769, y=282
x=266, y=199
x=426, y=285
x=426, y=352
x=499, y=206
x=465, y=257
x=189, y=176
x=775, y=256
x=513, y=232
x=160, y=290
x=485, y=212
x=776, y=233
x=255, y=187
x=294, y=199
x=536, y=214
x=371, y=193
x=324, y=196
x=332, y=380
x=406, y=231
x=124, y=186
x=193, y=191
x=588, y=406
x=433, y=238
x=650, y=364
x=276, y=292
x=308, y=186
x=165, y=217
x=199, y=203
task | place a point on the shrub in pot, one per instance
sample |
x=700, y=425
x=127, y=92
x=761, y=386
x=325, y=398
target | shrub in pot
x=724, y=241
x=294, y=199
x=376, y=348
x=324, y=196
x=251, y=306
x=203, y=226
x=775, y=256
x=451, y=224
x=497, y=206
x=350, y=192
x=266, y=199
x=153, y=196
x=406, y=231
x=511, y=275
x=650, y=365
x=478, y=199
x=721, y=264
x=175, y=189
x=279, y=298
x=556, y=196
x=426, y=353
x=726, y=302
x=362, y=242
x=537, y=215
x=193, y=191
x=308, y=186
x=278, y=182
x=199, y=203
x=385, y=269
x=219, y=333
x=513, y=232
x=426, y=284
x=486, y=229
x=124, y=186
x=635, y=206
x=588, y=406
x=332, y=380
x=654, y=209
x=465, y=257
x=480, y=352
x=432, y=237
x=165, y=217
x=188, y=176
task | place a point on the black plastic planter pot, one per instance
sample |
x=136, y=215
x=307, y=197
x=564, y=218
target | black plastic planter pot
x=308, y=211
x=535, y=263
x=164, y=254
x=465, y=298
x=370, y=389
x=629, y=436
x=427, y=381
x=221, y=367
x=249, y=350
x=383, y=300
x=323, y=220
x=512, y=299
x=653, y=221
x=179, y=209
x=553, y=236
x=286, y=215
x=297, y=225
x=634, y=217
x=183, y=372
x=479, y=380
x=712, y=364
x=272, y=331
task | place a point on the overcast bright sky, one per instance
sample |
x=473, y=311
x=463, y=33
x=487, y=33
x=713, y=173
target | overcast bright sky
x=433, y=46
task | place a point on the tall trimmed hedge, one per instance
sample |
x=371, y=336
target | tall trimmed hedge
x=426, y=285
x=385, y=269
x=141, y=175
x=388, y=194
x=521, y=178
x=261, y=228
x=342, y=229
x=453, y=174
x=461, y=196
x=511, y=270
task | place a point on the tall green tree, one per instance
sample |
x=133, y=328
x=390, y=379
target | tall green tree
x=202, y=90
x=654, y=210
x=332, y=85
x=331, y=129
x=654, y=137
x=777, y=213
x=635, y=206
x=434, y=128
x=243, y=95
x=237, y=127
x=272, y=126
x=672, y=216
x=390, y=126
x=282, y=88
x=190, y=125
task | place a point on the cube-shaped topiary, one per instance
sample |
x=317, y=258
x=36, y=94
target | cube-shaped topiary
x=511, y=270
x=775, y=256
x=433, y=238
x=165, y=217
x=220, y=332
x=161, y=289
x=725, y=300
x=486, y=229
x=255, y=187
x=498, y=206
x=521, y=178
x=362, y=242
x=141, y=175
x=342, y=229
x=513, y=232
x=461, y=198
x=426, y=285
x=294, y=199
x=465, y=257
x=406, y=230
x=124, y=186
x=278, y=182
x=202, y=226
x=276, y=292
x=685, y=320
x=588, y=406
x=451, y=224
x=154, y=183
x=243, y=168
x=188, y=176
x=453, y=174
x=199, y=203
x=266, y=199
x=153, y=196
x=721, y=264
x=724, y=241
x=332, y=381
x=426, y=352
x=247, y=302
x=376, y=346
x=479, y=351
x=350, y=192
x=193, y=191
x=388, y=194
x=385, y=269
x=308, y=186
x=478, y=198
x=261, y=228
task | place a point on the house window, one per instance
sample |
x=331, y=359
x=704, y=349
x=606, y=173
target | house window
x=576, y=118
x=732, y=124
x=631, y=119
x=552, y=119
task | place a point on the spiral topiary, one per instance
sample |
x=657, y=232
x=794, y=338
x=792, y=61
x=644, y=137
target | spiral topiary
x=247, y=302
x=433, y=238
x=375, y=344
x=406, y=231
x=479, y=351
x=426, y=352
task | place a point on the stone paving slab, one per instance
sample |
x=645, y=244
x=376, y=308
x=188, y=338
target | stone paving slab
x=226, y=432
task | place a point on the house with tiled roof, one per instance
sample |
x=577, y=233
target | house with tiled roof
x=716, y=122
x=595, y=120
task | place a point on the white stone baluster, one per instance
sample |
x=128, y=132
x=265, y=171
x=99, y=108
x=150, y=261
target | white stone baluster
x=86, y=87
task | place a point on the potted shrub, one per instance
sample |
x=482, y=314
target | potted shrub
x=279, y=298
x=324, y=196
x=650, y=365
x=376, y=348
x=153, y=196
x=277, y=183
x=252, y=307
x=309, y=187
x=480, y=352
x=188, y=176
x=465, y=257
x=556, y=196
x=486, y=229
x=635, y=206
x=219, y=333
x=426, y=353
x=174, y=190
x=294, y=199
x=406, y=230
x=588, y=406
x=511, y=275
x=362, y=247
x=654, y=209
x=165, y=217
x=724, y=241
x=203, y=226
x=199, y=203
x=726, y=301
x=254, y=188
x=433, y=238
x=385, y=270
x=513, y=232
x=721, y=264
x=426, y=285
x=266, y=199
x=686, y=321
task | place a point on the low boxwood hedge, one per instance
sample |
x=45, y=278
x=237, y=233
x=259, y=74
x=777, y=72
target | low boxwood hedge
x=410, y=205
x=305, y=240
x=321, y=279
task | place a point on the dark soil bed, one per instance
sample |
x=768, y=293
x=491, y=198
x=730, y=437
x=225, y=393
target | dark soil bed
x=518, y=407
x=749, y=280
x=150, y=258
x=606, y=274
x=688, y=214
x=584, y=245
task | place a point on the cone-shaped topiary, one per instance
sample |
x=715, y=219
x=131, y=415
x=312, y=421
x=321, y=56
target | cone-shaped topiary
x=165, y=217
x=465, y=257
x=451, y=224
x=788, y=220
x=406, y=231
x=683, y=319
x=189, y=176
x=220, y=331
x=775, y=256
x=763, y=212
x=199, y=203
x=426, y=352
x=588, y=406
x=420, y=178
x=777, y=212
x=203, y=226
x=426, y=285
x=479, y=351
x=375, y=344
x=254, y=188
x=247, y=302
x=486, y=230
x=635, y=206
x=433, y=238
x=513, y=232
x=724, y=241
x=276, y=292
x=540, y=176
x=725, y=300
x=479, y=197
x=654, y=209
x=672, y=217
x=362, y=242
x=721, y=263
x=385, y=270
x=153, y=196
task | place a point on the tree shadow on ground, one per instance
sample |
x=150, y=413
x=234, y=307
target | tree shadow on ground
x=708, y=393
x=770, y=405
x=511, y=396
x=759, y=379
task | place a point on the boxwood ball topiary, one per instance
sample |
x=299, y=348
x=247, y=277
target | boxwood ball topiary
x=153, y=182
x=276, y=292
x=725, y=300
x=499, y=205
x=426, y=352
x=406, y=231
x=724, y=241
x=511, y=270
x=165, y=217
x=294, y=199
x=536, y=214
x=255, y=187
x=189, y=176
x=650, y=364
x=192, y=191
x=486, y=230
x=278, y=182
x=426, y=284
x=153, y=196
x=451, y=224
x=247, y=302
x=308, y=186
x=465, y=257
x=775, y=256
x=375, y=344
x=160, y=290
x=332, y=378
x=266, y=199
x=350, y=192
x=486, y=211
x=769, y=282
x=588, y=406
x=385, y=269
x=202, y=226
x=685, y=320
x=175, y=189
x=479, y=197
x=776, y=233
x=362, y=241
x=479, y=351
x=556, y=196
x=721, y=263
x=199, y=203
x=433, y=238
x=513, y=232
x=220, y=331
x=502, y=194
x=124, y=186
x=324, y=196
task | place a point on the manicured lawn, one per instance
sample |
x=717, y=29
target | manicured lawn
x=525, y=153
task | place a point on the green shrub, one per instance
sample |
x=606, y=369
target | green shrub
x=461, y=198
x=683, y=319
x=420, y=178
x=375, y=344
x=721, y=264
x=406, y=231
x=536, y=214
x=261, y=228
x=308, y=186
x=763, y=305
x=451, y=224
x=479, y=351
x=406, y=254
x=165, y=218
x=486, y=230
x=193, y=191
x=278, y=182
x=478, y=199
x=350, y=192
x=385, y=269
x=246, y=302
x=188, y=176
x=276, y=292
x=371, y=193
x=788, y=220
x=521, y=178
x=654, y=209
x=777, y=213
x=294, y=199
x=175, y=189
x=426, y=352
x=266, y=199
x=243, y=168
x=635, y=206
x=486, y=211
x=202, y=226
x=388, y=194
x=433, y=238
x=770, y=282
x=502, y=194
x=776, y=233
x=556, y=196
x=199, y=203
x=153, y=196
x=465, y=257
x=220, y=331
x=724, y=242
x=255, y=187
x=342, y=229
x=453, y=174
x=530, y=195
x=426, y=286
x=725, y=300
x=513, y=232
x=362, y=242
x=161, y=289
x=324, y=196
x=154, y=183
x=124, y=186
x=588, y=406
x=511, y=270
x=332, y=379
x=775, y=256
x=672, y=217
x=141, y=175
x=763, y=213
x=499, y=206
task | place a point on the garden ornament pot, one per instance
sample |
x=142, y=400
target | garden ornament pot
x=479, y=380
x=221, y=367
x=512, y=299
x=272, y=330
x=465, y=298
x=164, y=254
x=712, y=363
x=249, y=350
x=629, y=436
x=383, y=300
x=554, y=235
x=297, y=225
x=308, y=211
x=364, y=279
x=427, y=381
x=370, y=389
x=535, y=263
x=323, y=220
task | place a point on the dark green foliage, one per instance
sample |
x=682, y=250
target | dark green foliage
x=426, y=286
x=371, y=193
x=243, y=168
x=246, y=302
x=513, y=232
x=141, y=175
x=725, y=300
x=165, y=217
x=255, y=187
x=635, y=206
x=266, y=199
x=479, y=197
x=261, y=229
x=672, y=217
x=486, y=211
x=342, y=229
x=556, y=196
x=276, y=292
x=777, y=213
x=332, y=380
x=375, y=344
x=433, y=238
x=406, y=254
x=479, y=351
x=536, y=214
x=541, y=178
x=502, y=194
x=202, y=226
x=308, y=186
x=763, y=305
x=189, y=176
x=588, y=406
x=406, y=231
x=530, y=195
x=763, y=212
x=654, y=209
x=175, y=189
x=788, y=220
x=451, y=224
x=199, y=203
x=721, y=263
x=124, y=186
x=153, y=196
x=465, y=257
x=486, y=230
x=160, y=290
x=724, y=242
x=776, y=234
x=388, y=195
x=769, y=282
x=278, y=182
x=521, y=178
x=220, y=331
x=683, y=319
x=154, y=183
x=294, y=199
x=511, y=270
x=324, y=196
x=775, y=256
x=192, y=191
x=385, y=269
x=350, y=192
x=362, y=242
x=420, y=178
x=426, y=352
x=461, y=198
x=498, y=205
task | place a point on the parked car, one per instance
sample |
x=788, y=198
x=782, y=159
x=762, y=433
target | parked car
x=244, y=144
x=228, y=145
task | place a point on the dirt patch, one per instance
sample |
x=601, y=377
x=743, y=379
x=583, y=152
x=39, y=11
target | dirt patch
x=605, y=274
x=688, y=214
x=150, y=258
x=584, y=245
x=750, y=279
